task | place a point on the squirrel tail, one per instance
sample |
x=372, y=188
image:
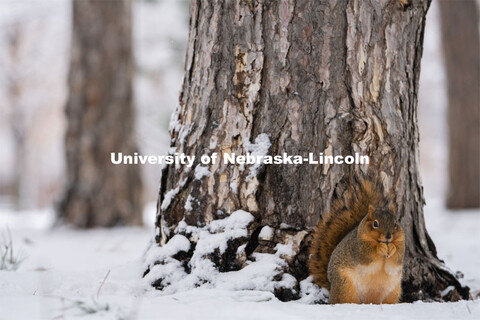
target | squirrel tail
x=343, y=217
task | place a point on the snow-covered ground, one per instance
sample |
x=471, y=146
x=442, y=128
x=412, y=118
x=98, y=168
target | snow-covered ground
x=97, y=274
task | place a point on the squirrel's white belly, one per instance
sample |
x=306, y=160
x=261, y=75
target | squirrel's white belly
x=375, y=281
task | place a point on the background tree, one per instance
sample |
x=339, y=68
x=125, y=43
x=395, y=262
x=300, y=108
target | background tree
x=100, y=117
x=461, y=50
x=17, y=116
x=336, y=77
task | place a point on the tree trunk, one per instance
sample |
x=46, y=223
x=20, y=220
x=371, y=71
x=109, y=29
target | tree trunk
x=461, y=54
x=17, y=119
x=100, y=116
x=336, y=77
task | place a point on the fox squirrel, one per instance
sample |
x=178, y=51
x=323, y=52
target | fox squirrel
x=358, y=248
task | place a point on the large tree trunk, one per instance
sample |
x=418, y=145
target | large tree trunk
x=100, y=116
x=461, y=54
x=336, y=77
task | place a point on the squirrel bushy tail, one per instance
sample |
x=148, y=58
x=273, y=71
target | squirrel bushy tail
x=345, y=214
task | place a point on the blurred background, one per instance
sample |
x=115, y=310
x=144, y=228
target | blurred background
x=35, y=39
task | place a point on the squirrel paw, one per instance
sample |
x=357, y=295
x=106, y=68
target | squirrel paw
x=382, y=249
x=386, y=249
x=391, y=250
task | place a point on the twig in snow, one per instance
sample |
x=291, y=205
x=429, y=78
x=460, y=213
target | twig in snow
x=101, y=284
x=469, y=311
x=9, y=260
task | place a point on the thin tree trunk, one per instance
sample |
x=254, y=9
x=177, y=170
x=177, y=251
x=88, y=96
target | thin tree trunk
x=336, y=77
x=100, y=116
x=461, y=54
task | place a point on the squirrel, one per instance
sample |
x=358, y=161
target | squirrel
x=359, y=246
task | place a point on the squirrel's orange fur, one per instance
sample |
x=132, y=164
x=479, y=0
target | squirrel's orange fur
x=358, y=248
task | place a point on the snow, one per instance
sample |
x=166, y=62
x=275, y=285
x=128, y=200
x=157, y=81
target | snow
x=311, y=293
x=201, y=171
x=284, y=249
x=214, y=236
x=64, y=270
x=447, y=291
x=177, y=244
x=169, y=196
x=234, y=186
x=237, y=220
x=188, y=203
x=258, y=275
x=266, y=233
x=257, y=149
x=97, y=274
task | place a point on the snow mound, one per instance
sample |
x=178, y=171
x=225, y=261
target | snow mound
x=196, y=257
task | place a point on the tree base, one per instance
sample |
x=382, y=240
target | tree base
x=430, y=280
x=237, y=253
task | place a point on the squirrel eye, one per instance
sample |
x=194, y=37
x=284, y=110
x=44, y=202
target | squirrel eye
x=375, y=224
x=396, y=226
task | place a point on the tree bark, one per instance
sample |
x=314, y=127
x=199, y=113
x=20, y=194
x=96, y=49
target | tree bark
x=336, y=77
x=461, y=50
x=100, y=116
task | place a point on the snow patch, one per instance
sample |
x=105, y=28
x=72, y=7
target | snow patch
x=175, y=125
x=260, y=272
x=310, y=293
x=234, y=186
x=168, y=198
x=257, y=149
x=237, y=220
x=266, y=233
x=188, y=203
x=83, y=258
x=284, y=249
x=175, y=245
x=214, y=239
x=257, y=275
x=288, y=281
x=447, y=291
x=201, y=171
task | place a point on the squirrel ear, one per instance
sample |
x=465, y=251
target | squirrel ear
x=371, y=210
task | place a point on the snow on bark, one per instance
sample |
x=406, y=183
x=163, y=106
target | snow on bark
x=201, y=171
x=168, y=198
